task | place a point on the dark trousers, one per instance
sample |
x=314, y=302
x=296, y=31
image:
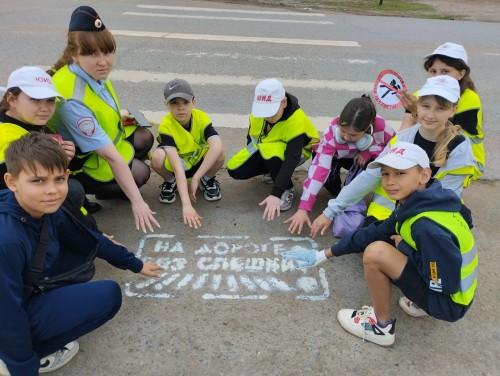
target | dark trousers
x=255, y=166
x=67, y=313
x=333, y=183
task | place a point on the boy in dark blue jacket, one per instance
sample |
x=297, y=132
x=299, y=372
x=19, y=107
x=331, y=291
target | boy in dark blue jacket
x=434, y=262
x=38, y=331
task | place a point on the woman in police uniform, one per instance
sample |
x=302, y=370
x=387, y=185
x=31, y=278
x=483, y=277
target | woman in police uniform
x=109, y=157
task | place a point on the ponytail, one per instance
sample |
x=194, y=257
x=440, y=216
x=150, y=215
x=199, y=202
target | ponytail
x=441, y=152
x=359, y=113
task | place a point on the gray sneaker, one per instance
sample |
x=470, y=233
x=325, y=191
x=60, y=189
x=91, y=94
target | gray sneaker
x=411, y=308
x=266, y=178
x=3, y=369
x=286, y=199
x=59, y=358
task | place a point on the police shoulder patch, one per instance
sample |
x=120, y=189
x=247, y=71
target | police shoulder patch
x=86, y=126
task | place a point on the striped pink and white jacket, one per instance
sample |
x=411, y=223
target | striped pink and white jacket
x=328, y=148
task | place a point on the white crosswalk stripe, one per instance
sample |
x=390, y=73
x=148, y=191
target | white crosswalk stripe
x=233, y=38
x=245, y=19
x=220, y=10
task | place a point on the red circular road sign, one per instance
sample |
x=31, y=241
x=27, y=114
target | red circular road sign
x=386, y=86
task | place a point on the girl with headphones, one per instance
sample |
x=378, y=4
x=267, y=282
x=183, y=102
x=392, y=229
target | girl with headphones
x=358, y=135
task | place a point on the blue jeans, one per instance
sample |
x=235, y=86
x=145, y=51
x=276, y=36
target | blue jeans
x=67, y=313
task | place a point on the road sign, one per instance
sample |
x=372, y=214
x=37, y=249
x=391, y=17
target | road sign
x=386, y=87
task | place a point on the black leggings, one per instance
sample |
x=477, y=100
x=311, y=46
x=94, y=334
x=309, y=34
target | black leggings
x=74, y=202
x=333, y=183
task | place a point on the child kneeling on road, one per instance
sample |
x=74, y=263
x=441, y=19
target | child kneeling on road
x=280, y=138
x=434, y=262
x=41, y=244
x=189, y=148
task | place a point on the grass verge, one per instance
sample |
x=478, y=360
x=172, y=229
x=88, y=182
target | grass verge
x=399, y=8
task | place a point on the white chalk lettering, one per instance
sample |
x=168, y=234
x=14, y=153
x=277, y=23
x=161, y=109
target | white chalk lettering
x=227, y=267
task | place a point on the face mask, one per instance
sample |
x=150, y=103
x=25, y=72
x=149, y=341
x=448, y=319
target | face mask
x=362, y=144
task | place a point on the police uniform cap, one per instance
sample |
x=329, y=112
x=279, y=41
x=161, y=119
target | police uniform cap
x=85, y=18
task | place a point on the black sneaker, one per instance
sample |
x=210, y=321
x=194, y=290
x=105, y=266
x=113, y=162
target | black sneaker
x=211, y=189
x=167, y=194
x=91, y=206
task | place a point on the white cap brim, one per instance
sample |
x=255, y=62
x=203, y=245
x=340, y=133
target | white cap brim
x=40, y=92
x=453, y=56
x=265, y=110
x=394, y=161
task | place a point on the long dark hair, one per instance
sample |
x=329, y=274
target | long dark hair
x=466, y=81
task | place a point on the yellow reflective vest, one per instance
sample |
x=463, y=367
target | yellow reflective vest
x=9, y=132
x=191, y=145
x=275, y=142
x=73, y=87
x=456, y=225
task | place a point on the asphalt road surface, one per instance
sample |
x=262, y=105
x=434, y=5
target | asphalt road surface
x=227, y=304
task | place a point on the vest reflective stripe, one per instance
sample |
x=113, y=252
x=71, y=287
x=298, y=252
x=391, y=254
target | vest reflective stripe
x=191, y=145
x=73, y=87
x=475, y=140
x=275, y=142
x=381, y=205
x=457, y=226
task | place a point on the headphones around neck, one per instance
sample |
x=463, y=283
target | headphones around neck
x=362, y=144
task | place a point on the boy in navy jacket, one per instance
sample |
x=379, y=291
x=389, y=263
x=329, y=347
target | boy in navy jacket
x=434, y=262
x=38, y=331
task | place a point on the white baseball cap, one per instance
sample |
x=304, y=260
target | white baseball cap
x=402, y=156
x=34, y=82
x=453, y=50
x=268, y=96
x=443, y=86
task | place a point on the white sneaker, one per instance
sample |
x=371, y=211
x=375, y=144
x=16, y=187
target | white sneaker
x=3, y=369
x=411, y=308
x=286, y=201
x=59, y=358
x=363, y=324
x=266, y=178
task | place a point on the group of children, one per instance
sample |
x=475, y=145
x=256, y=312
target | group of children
x=70, y=121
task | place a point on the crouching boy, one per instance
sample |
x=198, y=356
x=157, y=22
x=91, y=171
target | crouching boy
x=189, y=149
x=39, y=244
x=434, y=262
